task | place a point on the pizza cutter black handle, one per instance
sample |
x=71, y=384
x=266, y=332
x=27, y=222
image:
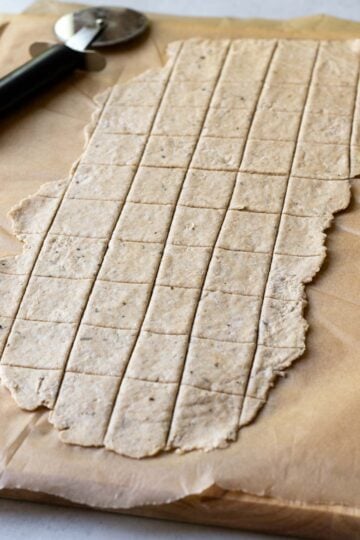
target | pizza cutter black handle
x=37, y=74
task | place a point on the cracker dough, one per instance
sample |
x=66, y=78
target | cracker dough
x=178, y=121
x=259, y=193
x=143, y=222
x=195, y=226
x=218, y=153
x=87, y=218
x=160, y=292
x=240, y=95
x=69, y=257
x=130, y=262
x=34, y=214
x=183, y=266
x=38, y=344
x=114, y=149
x=222, y=122
x=108, y=182
x=54, y=299
x=23, y=263
x=141, y=403
x=156, y=185
x=101, y=351
x=119, y=119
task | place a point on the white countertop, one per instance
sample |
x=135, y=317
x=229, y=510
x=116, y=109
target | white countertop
x=273, y=9
x=30, y=521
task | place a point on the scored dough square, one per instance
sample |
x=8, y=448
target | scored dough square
x=268, y=156
x=237, y=272
x=137, y=94
x=289, y=273
x=172, y=120
x=5, y=326
x=32, y=388
x=200, y=60
x=218, y=153
x=282, y=324
x=132, y=262
x=101, y=351
x=204, y=419
x=240, y=95
x=183, y=266
x=39, y=344
x=293, y=62
x=283, y=97
x=83, y=408
x=337, y=64
x=301, y=235
x=158, y=357
x=156, y=185
x=228, y=317
x=275, y=125
x=249, y=231
x=259, y=193
x=53, y=189
x=144, y=222
x=218, y=366
x=328, y=99
x=195, y=226
x=189, y=94
x=227, y=122
x=54, y=299
x=307, y=197
x=109, y=182
x=114, y=149
x=320, y=128
x=209, y=189
x=326, y=161
x=22, y=263
x=119, y=119
x=145, y=404
x=268, y=365
x=11, y=291
x=119, y=305
x=248, y=59
x=171, y=310
x=34, y=215
x=91, y=218
x=168, y=151
x=70, y=257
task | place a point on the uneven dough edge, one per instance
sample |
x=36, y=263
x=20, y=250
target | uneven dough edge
x=252, y=404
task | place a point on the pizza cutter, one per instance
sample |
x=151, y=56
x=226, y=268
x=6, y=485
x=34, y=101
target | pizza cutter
x=92, y=27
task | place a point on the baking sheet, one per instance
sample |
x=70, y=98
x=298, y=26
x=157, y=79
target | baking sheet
x=303, y=449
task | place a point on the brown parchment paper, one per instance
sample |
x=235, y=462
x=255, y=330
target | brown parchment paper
x=296, y=469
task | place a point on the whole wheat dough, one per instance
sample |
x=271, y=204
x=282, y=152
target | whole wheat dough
x=160, y=292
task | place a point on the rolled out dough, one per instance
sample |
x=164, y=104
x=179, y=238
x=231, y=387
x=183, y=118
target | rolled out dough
x=161, y=289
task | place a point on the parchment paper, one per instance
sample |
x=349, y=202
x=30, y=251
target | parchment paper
x=303, y=450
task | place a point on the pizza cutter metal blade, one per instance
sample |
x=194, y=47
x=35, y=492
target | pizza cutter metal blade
x=92, y=27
